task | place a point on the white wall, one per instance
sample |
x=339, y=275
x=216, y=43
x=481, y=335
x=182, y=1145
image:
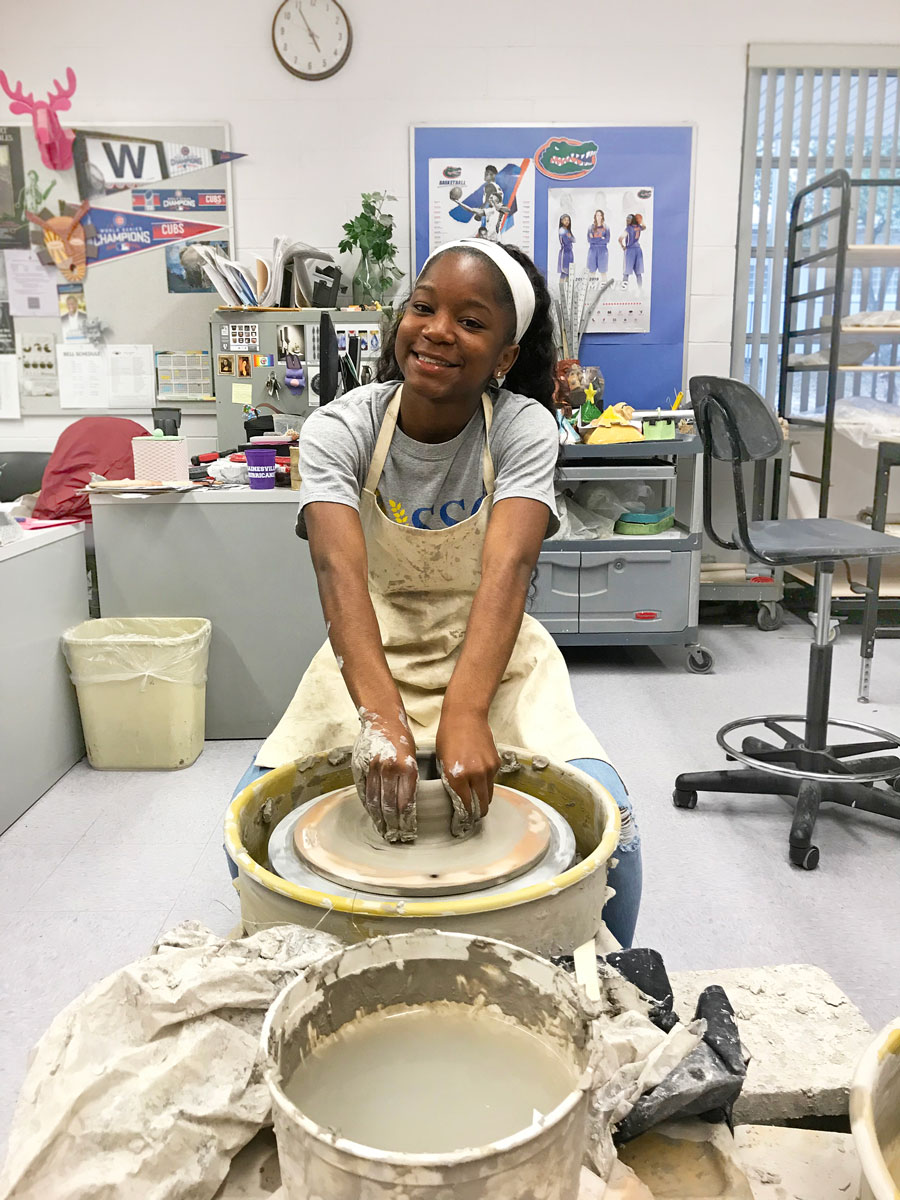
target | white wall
x=313, y=147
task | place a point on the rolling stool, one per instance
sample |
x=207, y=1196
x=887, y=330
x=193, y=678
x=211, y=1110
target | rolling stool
x=737, y=426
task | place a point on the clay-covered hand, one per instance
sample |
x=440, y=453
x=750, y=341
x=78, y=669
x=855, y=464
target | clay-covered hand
x=468, y=762
x=386, y=774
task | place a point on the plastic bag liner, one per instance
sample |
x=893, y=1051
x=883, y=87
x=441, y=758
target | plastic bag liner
x=114, y=649
x=590, y=511
x=865, y=421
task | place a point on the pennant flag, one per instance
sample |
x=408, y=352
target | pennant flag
x=111, y=162
x=117, y=234
x=177, y=200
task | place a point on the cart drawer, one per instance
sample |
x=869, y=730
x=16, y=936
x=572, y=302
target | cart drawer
x=554, y=598
x=632, y=590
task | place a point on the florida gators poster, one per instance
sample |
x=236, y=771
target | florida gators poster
x=593, y=205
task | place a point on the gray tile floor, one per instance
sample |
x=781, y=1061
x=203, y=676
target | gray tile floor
x=105, y=861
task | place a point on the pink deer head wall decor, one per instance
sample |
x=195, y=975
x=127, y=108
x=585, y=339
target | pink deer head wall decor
x=55, y=142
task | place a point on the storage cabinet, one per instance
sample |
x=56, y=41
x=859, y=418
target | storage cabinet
x=624, y=591
x=638, y=590
x=613, y=591
x=554, y=598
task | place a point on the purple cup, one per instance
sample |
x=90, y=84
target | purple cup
x=261, y=467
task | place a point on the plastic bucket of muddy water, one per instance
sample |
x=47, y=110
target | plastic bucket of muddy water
x=875, y=1115
x=427, y=1065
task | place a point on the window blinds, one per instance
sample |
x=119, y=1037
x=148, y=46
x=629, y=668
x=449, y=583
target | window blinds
x=802, y=122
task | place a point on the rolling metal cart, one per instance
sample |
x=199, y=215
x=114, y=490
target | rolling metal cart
x=630, y=590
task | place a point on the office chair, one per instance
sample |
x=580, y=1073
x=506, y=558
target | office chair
x=737, y=426
x=21, y=472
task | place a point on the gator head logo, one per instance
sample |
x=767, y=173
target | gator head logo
x=452, y=172
x=562, y=158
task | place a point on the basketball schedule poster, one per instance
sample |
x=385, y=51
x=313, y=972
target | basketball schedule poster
x=490, y=198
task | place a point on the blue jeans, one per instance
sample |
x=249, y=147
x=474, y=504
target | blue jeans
x=621, y=912
x=627, y=877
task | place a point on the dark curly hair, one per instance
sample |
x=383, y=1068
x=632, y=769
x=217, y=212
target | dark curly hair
x=533, y=372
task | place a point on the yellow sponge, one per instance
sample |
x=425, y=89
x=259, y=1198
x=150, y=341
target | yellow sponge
x=607, y=434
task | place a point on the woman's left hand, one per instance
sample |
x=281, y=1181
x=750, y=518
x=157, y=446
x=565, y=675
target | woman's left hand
x=468, y=762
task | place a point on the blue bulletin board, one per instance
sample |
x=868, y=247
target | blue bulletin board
x=518, y=183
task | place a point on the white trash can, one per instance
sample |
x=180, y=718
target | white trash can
x=141, y=685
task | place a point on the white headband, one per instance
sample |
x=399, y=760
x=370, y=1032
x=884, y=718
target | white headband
x=514, y=274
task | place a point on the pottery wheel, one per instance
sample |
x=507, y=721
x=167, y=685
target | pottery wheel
x=335, y=836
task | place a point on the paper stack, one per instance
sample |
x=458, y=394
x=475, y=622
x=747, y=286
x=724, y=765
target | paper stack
x=280, y=281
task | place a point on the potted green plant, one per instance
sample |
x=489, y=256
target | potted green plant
x=370, y=233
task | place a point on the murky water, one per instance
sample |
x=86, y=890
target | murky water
x=891, y=1155
x=430, y=1079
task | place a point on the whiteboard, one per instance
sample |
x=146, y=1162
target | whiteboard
x=130, y=295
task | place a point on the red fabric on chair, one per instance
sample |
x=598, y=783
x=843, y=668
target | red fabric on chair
x=98, y=445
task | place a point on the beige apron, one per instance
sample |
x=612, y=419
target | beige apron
x=422, y=583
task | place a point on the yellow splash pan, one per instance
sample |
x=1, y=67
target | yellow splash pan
x=550, y=917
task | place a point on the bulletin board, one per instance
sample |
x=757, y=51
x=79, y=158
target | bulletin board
x=518, y=183
x=131, y=294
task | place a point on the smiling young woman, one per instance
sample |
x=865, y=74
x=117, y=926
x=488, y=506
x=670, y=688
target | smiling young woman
x=425, y=498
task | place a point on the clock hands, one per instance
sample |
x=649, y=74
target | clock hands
x=315, y=40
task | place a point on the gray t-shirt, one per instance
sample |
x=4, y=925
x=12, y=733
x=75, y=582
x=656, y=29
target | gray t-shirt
x=427, y=485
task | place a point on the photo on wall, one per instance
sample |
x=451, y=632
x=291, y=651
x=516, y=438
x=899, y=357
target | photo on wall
x=597, y=236
x=490, y=198
x=13, y=226
x=72, y=312
x=184, y=270
x=289, y=340
x=7, y=325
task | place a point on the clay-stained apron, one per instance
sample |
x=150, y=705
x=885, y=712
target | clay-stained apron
x=422, y=583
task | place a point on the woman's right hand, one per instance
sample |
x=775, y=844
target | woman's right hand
x=386, y=774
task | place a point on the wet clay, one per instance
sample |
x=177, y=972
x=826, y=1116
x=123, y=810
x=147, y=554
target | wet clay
x=337, y=838
x=430, y=1079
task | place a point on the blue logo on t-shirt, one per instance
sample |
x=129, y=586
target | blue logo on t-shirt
x=433, y=517
x=444, y=516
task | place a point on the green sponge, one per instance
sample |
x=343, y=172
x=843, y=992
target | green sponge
x=641, y=527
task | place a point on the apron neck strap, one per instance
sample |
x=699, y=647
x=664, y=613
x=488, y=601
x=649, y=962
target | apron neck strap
x=487, y=463
x=383, y=444
x=386, y=434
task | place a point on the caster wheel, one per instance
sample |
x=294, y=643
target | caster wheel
x=769, y=617
x=700, y=661
x=684, y=799
x=806, y=857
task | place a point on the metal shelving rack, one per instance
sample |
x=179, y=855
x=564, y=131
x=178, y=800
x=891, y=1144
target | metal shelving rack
x=821, y=243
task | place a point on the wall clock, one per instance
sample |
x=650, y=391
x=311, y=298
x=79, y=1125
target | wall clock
x=312, y=38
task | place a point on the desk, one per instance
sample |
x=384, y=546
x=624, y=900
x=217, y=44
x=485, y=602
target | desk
x=43, y=591
x=231, y=556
